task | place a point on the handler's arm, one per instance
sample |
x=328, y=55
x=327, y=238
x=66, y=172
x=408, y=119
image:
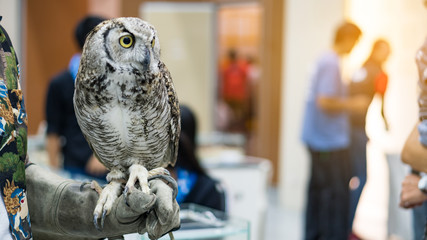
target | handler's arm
x=414, y=153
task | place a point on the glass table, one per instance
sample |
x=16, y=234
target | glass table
x=199, y=222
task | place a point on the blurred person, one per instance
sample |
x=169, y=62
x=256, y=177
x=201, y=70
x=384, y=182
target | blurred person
x=414, y=186
x=194, y=184
x=234, y=91
x=61, y=208
x=254, y=76
x=64, y=137
x=369, y=80
x=327, y=136
x=414, y=153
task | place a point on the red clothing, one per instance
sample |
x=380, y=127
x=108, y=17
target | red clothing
x=234, y=82
x=381, y=81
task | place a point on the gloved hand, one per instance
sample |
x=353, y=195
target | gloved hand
x=164, y=214
x=63, y=209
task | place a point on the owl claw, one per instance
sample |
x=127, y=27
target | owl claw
x=82, y=186
x=128, y=190
x=104, y=214
x=96, y=217
x=125, y=192
x=105, y=203
x=95, y=186
x=95, y=222
x=138, y=173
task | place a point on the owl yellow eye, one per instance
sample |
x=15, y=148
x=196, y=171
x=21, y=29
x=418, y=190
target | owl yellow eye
x=153, y=42
x=126, y=41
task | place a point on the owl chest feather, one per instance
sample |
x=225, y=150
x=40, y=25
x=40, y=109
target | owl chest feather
x=130, y=124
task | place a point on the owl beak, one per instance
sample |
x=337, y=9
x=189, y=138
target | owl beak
x=147, y=59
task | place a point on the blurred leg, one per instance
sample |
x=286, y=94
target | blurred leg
x=338, y=178
x=312, y=230
x=358, y=169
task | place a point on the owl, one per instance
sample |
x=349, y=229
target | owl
x=126, y=106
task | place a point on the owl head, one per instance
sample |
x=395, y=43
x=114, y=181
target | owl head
x=123, y=42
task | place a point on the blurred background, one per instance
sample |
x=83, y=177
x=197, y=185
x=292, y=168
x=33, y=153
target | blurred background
x=256, y=152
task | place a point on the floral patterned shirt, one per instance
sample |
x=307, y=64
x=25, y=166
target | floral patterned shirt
x=13, y=141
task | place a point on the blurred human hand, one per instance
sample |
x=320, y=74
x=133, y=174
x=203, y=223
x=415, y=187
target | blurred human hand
x=95, y=167
x=410, y=195
x=359, y=103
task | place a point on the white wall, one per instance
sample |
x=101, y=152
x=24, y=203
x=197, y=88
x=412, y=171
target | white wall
x=13, y=23
x=11, y=12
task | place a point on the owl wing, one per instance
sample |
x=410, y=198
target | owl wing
x=81, y=111
x=175, y=121
x=93, y=150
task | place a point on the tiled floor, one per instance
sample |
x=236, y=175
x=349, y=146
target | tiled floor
x=282, y=223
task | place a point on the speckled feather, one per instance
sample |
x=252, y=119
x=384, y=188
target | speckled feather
x=125, y=102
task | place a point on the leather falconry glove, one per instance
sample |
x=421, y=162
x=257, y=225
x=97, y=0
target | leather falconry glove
x=63, y=209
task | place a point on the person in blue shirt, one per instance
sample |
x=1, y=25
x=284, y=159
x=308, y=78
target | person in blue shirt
x=326, y=134
x=64, y=137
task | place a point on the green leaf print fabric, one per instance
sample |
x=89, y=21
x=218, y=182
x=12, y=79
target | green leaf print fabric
x=13, y=142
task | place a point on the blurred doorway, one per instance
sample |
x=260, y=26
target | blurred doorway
x=239, y=39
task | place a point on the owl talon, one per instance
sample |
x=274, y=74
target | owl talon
x=138, y=173
x=96, y=217
x=95, y=186
x=126, y=201
x=128, y=190
x=104, y=214
x=158, y=171
x=125, y=194
x=95, y=222
x=170, y=180
x=105, y=203
x=83, y=185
